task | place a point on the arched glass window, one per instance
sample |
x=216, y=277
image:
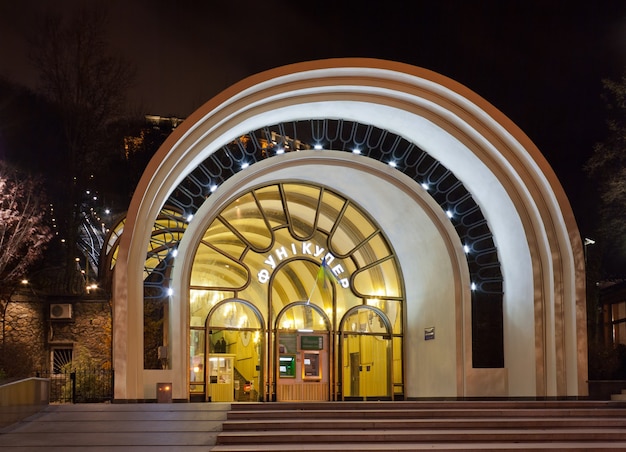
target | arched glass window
x=288, y=243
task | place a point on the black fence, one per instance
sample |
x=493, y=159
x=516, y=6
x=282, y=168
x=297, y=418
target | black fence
x=79, y=385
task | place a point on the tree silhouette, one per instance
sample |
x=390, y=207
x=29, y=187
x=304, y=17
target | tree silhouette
x=607, y=167
x=605, y=262
x=87, y=84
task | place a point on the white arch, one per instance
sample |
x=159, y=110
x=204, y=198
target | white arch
x=436, y=254
x=533, y=225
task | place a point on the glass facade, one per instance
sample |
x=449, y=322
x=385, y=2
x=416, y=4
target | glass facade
x=184, y=201
x=287, y=282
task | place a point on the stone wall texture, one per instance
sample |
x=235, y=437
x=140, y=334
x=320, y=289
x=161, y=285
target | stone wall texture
x=30, y=334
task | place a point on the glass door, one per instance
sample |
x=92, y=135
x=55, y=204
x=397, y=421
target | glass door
x=366, y=354
x=235, y=343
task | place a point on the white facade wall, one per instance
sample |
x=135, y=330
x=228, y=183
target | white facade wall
x=531, y=220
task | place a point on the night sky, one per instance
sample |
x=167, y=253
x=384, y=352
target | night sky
x=540, y=62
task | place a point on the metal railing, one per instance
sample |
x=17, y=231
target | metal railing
x=79, y=385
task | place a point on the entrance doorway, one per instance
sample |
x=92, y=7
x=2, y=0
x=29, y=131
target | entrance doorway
x=367, y=355
x=230, y=368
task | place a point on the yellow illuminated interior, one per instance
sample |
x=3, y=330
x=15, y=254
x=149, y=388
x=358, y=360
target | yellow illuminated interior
x=257, y=224
x=266, y=247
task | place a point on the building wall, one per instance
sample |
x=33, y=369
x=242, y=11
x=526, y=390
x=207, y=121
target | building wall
x=534, y=229
x=25, y=326
x=88, y=333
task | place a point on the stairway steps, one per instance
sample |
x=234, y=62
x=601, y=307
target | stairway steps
x=385, y=426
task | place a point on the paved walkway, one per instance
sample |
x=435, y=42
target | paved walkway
x=184, y=427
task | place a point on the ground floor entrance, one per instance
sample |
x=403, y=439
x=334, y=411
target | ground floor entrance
x=289, y=364
x=295, y=294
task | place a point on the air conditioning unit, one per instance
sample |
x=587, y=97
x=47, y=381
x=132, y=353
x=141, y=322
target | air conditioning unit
x=61, y=311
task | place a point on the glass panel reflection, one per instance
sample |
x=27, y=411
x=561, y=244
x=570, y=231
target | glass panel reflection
x=196, y=356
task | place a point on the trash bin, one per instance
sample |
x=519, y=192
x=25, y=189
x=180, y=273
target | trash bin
x=164, y=392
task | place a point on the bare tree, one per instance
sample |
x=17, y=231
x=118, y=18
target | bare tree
x=88, y=85
x=24, y=230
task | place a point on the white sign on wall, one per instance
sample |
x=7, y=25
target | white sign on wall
x=302, y=249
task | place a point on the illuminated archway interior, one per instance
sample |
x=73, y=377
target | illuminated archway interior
x=302, y=256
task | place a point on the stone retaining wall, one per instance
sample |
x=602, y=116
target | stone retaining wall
x=29, y=332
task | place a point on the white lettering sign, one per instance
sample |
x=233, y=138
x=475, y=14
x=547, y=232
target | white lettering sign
x=305, y=249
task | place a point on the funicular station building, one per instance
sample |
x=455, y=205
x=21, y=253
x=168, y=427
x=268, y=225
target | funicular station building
x=348, y=229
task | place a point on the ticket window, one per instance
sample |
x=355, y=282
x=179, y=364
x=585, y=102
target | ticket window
x=222, y=378
x=311, y=368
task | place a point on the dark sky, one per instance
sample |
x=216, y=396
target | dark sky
x=540, y=62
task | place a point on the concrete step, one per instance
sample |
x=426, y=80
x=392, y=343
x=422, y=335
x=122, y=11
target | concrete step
x=366, y=436
x=416, y=424
x=453, y=447
x=429, y=404
x=368, y=413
